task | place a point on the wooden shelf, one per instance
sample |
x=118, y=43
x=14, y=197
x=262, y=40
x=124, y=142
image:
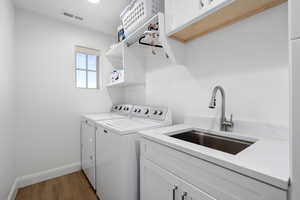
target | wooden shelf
x=236, y=11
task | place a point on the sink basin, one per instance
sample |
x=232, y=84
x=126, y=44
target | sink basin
x=225, y=144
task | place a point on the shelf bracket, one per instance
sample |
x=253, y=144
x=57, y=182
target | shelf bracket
x=147, y=44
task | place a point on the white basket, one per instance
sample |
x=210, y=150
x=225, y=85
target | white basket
x=138, y=12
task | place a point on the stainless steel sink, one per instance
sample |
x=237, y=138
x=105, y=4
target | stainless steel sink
x=225, y=144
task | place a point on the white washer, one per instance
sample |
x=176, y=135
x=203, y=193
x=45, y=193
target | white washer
x=88, y=131
x=117, y=150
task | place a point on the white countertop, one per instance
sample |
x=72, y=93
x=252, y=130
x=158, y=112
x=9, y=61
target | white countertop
x=267, y=160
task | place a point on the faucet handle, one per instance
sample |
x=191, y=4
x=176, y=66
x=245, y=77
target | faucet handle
x=231, y=121
x=228, y=123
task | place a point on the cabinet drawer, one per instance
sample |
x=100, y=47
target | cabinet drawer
x=221, y=183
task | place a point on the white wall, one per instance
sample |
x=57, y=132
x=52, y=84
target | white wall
x=49, y=105
x=249, y=59
x=7, y=133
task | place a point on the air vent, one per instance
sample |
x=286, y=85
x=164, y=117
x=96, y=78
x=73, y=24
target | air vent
x=70, y=15
x=78, y=18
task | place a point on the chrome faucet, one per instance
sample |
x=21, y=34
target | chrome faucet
x=224, y=124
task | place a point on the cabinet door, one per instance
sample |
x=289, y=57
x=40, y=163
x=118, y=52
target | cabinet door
x=295, y=18
x=107, y=165
x=157, y=183
x=180, y=12
x=295, y=127
x=88, y=152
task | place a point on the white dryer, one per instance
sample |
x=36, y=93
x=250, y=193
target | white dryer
x=88, y=131
x=117, y=151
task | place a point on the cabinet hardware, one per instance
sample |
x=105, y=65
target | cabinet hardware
x=184, y=194
x=174, y=192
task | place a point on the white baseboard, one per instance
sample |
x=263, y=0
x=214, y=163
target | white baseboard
x=48, y=174
x=13, y=192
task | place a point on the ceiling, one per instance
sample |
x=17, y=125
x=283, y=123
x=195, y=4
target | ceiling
x=102, y=17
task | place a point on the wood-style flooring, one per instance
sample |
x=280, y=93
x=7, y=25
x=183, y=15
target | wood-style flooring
x=73, y=186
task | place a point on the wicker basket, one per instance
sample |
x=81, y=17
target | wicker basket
x=138, y=12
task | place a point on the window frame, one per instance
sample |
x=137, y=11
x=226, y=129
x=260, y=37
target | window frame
x=88, y=52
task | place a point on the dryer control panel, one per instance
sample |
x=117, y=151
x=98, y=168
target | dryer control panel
x=122, y=108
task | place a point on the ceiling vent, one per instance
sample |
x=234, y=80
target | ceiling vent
x=70, y=15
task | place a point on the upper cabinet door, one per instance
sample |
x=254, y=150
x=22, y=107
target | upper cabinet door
x=295, y=18
x=179, y=12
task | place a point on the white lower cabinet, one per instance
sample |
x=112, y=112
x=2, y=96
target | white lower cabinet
x=159, y=184
x=156, y=183
x=168, y=174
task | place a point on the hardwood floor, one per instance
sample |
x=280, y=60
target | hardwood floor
x=73, y=186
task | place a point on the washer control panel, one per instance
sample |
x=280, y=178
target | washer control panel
x=156, y=113
x=122, y=108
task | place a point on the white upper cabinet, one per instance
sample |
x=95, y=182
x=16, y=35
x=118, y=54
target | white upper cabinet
x=187, y=20
x=180, y=12
x=295, y=18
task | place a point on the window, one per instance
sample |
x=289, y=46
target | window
x=87, y=68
